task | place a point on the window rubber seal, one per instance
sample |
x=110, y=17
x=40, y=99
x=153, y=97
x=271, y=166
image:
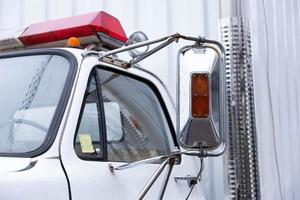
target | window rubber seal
x=101, y=120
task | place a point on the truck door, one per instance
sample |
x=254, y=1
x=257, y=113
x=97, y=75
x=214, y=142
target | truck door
x=119, y=118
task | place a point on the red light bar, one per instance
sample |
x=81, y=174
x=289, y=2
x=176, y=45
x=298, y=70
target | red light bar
x=105, y=27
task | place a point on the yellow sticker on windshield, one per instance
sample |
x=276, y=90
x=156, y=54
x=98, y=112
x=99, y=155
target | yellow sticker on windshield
x=86, y=143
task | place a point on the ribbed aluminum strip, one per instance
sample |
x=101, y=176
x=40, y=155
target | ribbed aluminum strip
x=242, y=161
x=10, y=43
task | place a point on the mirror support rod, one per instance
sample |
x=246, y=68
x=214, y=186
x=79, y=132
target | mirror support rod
x=167, y=177
x=176, y=154
x=168, y=160
x=153, y=179
x=138, y=163
x=102, y=54
x=152, y=51
x=168, y=40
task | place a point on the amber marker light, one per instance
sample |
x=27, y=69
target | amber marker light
x=200, y=95
x=73, y=42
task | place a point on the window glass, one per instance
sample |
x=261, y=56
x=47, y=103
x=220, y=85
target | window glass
x=87, y=143
x=136, y=125
x=31, y=87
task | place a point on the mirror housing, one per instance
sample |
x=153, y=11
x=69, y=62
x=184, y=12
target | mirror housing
x=201, y=99
x=134, y=38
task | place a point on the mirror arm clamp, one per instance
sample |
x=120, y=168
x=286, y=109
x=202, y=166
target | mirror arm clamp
x=199, y=40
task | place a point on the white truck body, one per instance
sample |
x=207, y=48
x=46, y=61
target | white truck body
x=59, y=173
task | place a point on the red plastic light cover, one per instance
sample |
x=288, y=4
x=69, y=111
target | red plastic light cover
x=75, y=26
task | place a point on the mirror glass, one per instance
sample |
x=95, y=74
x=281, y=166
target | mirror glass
x=137, y=37
x=113, y=122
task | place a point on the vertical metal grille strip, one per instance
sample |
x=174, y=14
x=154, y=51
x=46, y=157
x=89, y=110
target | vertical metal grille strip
x=242, y=160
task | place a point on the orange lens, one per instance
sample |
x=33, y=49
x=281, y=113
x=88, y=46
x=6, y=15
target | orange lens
x=200, y=95
x=73, y=42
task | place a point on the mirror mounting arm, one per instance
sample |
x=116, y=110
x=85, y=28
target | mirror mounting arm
x=169, y=160
x=152, y=51
x=166, y=41
x=201, y=153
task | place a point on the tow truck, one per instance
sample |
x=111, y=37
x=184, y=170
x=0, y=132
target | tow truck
x=78, y=122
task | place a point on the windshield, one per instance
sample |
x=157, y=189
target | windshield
x=30, y=88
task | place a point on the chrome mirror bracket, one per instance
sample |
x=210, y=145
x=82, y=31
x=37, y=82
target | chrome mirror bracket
x=168, y=161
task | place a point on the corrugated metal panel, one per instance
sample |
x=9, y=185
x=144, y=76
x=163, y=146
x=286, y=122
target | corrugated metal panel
x=275, y=31
x=156, y=18
x=275, y=34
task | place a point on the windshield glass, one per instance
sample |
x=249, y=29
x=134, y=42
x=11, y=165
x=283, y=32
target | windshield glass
x=30, y=88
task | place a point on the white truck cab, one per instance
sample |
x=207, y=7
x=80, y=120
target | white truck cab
x=77, y=122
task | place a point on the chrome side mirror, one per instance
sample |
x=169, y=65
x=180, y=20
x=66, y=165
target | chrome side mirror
x=201, y=122
x=134, y=38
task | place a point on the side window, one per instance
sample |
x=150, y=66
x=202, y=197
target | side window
x=136, y=126
x=121, y=120
x=87, y=142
